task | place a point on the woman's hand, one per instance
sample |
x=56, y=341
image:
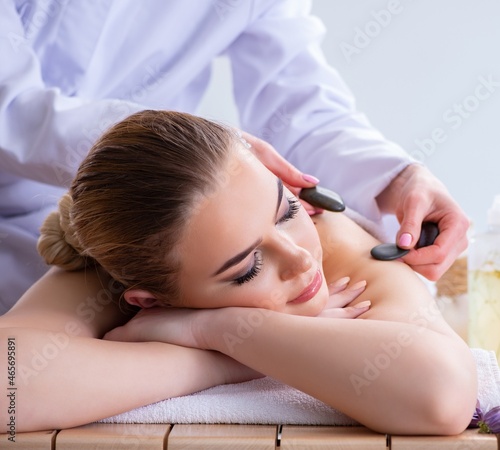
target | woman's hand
x=189, y=327
x=162, y=324
x=181, y=327
x=341, y=296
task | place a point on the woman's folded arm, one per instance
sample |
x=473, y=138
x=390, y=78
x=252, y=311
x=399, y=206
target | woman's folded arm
x=65, y=375
x=64, y=381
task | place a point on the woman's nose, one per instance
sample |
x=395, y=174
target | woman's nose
x=295, y=260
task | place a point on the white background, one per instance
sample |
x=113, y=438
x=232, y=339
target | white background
x=412, y=70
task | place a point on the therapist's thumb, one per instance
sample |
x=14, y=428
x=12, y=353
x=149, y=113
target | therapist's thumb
x=409, y=231
x=405, y=239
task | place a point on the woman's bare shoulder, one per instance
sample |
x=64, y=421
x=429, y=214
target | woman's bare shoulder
x=337, y=229
x=397, y=293
x=86, y=300
x=345, y=244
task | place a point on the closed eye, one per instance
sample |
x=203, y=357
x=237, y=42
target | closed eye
x=293, y=209
x=252, y=272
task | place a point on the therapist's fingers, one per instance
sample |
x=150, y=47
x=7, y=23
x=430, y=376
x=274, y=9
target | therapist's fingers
x=292, y=177
x=416, y=196
x=414, y=211
x=268, y=155
x=433, y=260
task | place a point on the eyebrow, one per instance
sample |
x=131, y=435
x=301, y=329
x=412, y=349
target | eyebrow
x=280, y=195
x=243, y=254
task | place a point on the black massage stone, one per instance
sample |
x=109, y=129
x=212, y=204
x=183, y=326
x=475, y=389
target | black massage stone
x=388, y=252
x=323, y=198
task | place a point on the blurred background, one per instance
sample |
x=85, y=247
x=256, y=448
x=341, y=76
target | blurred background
x=427, y=74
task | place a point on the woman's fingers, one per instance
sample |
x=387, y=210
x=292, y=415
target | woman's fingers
x=338, y=286
x=342, y=294
x=349, y=312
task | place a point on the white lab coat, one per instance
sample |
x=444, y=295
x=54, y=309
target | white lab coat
x=70, y=68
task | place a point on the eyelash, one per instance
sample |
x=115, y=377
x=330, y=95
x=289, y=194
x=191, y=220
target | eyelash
x=293, y=209
x=253, y=272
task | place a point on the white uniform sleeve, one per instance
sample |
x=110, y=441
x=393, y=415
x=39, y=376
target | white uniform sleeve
x=288, y=95
x=43, y=134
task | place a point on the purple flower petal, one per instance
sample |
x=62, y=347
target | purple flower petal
x=492, y=419
x=476, y=417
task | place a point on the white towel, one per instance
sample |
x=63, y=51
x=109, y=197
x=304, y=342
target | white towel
x=488, y=378
x=261, y=401
x=267, y=401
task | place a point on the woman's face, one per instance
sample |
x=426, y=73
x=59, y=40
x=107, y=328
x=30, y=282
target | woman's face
x=250, y=243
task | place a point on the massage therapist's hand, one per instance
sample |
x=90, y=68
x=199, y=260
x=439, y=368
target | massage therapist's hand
x=417, y=196
x=292, y=177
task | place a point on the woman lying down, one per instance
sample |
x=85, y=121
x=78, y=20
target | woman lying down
x=174, y=216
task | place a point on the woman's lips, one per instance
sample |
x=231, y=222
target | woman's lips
x=310, y=291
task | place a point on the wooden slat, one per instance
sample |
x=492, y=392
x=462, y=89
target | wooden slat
x=36, y=440
x=332, y=438
x=98, y=436
x=469, y=439
x=222, y=437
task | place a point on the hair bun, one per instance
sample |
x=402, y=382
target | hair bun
x=57, y=243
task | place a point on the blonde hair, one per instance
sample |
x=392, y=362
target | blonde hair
x=132, y=196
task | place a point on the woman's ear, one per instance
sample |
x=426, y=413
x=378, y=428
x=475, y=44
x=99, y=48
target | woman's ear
x=138, y=297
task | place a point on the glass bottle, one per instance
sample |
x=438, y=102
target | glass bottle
x=484, y=284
